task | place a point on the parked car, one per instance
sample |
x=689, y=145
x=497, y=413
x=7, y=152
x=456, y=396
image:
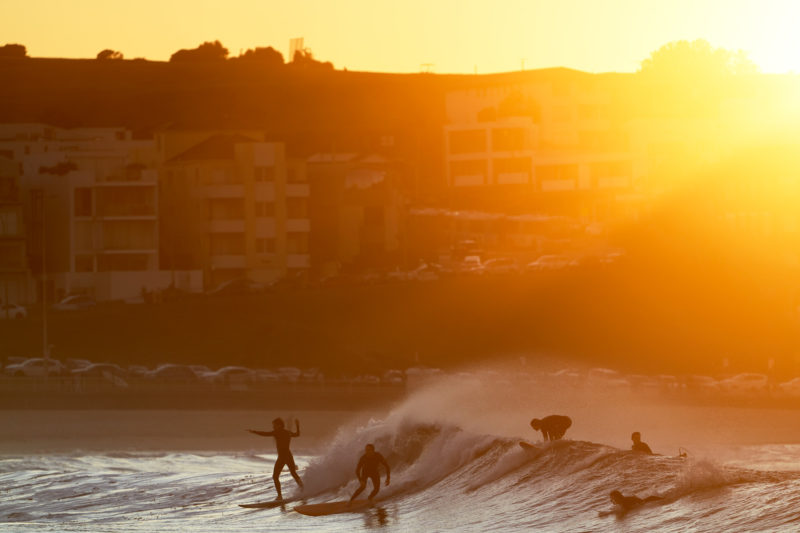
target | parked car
x=501, y=265
x=100, y=370
x=550, y=262
x=607, y=380
x=12, y=311
x=172, y=372
x=35, y=368
x=230, y=375
x=702, y=384
x=471, y=264
x=75, y=302
x=237, y=286
x=73, y=363
x=790, y=388
x=424, y=272
x=747, y=383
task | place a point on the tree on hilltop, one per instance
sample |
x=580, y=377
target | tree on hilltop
x=305, y=60
x=13, y=51
x=207, y=51
x=109, y=54
x=268, y=56
x=696, y=59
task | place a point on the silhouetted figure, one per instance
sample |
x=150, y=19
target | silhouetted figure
x=368, y=469
x=285, y=458
x=638, y=445
x=552, y=427
x=626, y=503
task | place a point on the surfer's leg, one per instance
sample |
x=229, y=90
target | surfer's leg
x=276, y=476
x=293, y=471
x=360, y=488
x=376, y=486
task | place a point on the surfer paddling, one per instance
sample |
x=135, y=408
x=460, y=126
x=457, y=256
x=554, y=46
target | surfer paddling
x=367, y=468
x=552, y=427
x=285, y=458
x=626, y=503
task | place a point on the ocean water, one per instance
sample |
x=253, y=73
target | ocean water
x=447, y=475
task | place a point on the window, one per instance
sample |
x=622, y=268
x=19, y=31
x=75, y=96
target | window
x=265, y=246
x=83, y=202
x=264, y=173
x=466, y=142
x=84, y=263
x=297, y=243
x=296, y=208
x=265, y=209
x=227, y=244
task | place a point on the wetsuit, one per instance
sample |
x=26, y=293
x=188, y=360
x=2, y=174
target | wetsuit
x=629, y=502
x=641, y=447
x=285, y=458
x=368, y=469
x=553, y=427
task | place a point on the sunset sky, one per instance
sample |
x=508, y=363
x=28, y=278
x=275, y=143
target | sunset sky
x=383, y=35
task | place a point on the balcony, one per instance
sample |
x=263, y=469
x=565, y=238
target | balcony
x=224, y=191
x=298, y=261
x=513, y=178
x=297, y=190
x=228, y=261
x=226, y=226
x=298, y=225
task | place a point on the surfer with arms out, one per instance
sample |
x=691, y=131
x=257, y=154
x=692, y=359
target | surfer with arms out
x=552, y=427
x=368, y=469
x=285, y=458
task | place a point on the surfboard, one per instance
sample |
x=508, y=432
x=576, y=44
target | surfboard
x=322, y=509
x=527, y=446
x=265, y=505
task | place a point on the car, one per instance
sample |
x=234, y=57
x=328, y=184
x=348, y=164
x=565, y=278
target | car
x=501, y=265
x=747, y=383
x=424, y=272
x=73, y=363
x=237, y=286
x=701, y=384
x=76, y=302
x=790, y=388
x=12, y=311
x=172, y=372
x=549, y=262
x=471, y=264
x=607, y=379
x=35, y=368
x=230, y=375
x=100, y=370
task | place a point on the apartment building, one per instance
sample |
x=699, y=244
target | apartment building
x=91, y=202
x=15, y=277
x=233, y=206
x=358, y=210
x=550, y=145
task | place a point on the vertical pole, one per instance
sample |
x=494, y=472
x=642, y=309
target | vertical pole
x=45, y=349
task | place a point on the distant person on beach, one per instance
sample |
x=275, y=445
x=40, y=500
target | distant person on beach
x=626, y=503
x=285, y=458
x=638, y=445
x=552, y=427
x=367, y=468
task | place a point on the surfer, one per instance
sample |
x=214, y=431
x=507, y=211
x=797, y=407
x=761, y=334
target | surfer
x=638, y=445
x=367, y=468
x=285, y=458
x=626, y=503
x=552, y=427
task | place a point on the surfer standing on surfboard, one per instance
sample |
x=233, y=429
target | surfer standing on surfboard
x=368, y=469
x=552, y=427
x=285, y=458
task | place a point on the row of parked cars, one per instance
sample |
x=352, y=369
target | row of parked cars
x=185, y=374
x=744, y=384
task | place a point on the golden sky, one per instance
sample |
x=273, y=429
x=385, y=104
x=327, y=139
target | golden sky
x=400, y=36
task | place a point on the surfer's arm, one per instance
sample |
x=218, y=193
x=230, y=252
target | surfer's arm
x=388, y=471
x=297, y=429
x=358, y=468
x=262, y=433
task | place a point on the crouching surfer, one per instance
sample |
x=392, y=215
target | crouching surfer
x=626, y=503
x=283, y=438
x=552, y=427
x=367, y=468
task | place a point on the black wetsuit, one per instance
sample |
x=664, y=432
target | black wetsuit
x=641, y=447
x=553, y=427
x=282, y=439
x=629, y=502
x=368, y=468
